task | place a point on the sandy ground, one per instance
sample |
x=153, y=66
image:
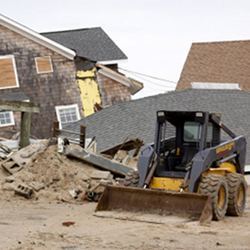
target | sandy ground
x=38, y=225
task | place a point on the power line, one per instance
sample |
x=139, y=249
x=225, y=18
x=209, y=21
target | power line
x=166, y=88
x=154, y=83
x=153, y=77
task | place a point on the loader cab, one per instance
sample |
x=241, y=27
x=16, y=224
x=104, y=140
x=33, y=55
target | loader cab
x=194, y=132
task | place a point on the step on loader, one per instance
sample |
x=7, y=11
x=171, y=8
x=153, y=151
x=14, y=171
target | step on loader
x=193, y=174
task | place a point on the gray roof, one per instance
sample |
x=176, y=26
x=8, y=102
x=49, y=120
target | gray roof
x=92, y=43
x=137, y=118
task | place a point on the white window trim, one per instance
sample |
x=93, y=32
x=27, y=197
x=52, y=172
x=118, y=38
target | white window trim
x=12, y=123
x=58, y=108
x=15, y=71
x=44, y=72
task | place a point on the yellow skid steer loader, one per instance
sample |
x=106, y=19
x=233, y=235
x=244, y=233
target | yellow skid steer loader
x=194, y=174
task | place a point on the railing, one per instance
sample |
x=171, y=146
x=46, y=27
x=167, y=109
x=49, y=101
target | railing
x=81, y=135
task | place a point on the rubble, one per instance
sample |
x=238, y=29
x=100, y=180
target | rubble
x=96, y=191
x=37, y=186
x=98, y=174
x=39, y=172
x=126, y=153
x=23, y=157
x=68, y=223
x=7, y=148
x=23, y=190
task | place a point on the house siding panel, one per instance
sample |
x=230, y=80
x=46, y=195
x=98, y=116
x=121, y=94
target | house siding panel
x=112, y=92
x=47, y=90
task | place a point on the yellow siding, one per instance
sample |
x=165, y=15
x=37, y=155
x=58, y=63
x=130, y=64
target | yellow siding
x=88, y=73
x=89, y=91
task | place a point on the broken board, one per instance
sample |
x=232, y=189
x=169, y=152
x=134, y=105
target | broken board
x=98, y=161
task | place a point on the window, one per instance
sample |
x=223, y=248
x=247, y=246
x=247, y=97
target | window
x=43, y=64
x=6, y=118
x=8, y=73
x=67, y=114
x=192, y=131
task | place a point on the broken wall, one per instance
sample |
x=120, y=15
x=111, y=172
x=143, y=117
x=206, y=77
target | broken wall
x=89, y=90
x=96, y=88
x=112, y=92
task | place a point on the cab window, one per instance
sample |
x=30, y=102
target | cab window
x=192, y=131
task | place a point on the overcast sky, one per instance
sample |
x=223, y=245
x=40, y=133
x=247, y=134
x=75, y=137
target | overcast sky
x=156, y=35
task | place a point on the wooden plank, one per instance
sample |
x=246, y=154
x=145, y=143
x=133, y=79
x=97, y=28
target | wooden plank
x=18, y=106
x=98, y=161
x=25, y=129
x=82, y=136
x=55, y=129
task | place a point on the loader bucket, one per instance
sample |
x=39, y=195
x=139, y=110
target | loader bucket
x=161, y=202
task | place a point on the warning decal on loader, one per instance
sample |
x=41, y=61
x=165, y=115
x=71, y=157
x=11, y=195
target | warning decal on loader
x=224, y=148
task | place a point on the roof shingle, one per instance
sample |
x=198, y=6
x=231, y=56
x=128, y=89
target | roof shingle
x=218, y=62
x=137, y=118
x=91, y=43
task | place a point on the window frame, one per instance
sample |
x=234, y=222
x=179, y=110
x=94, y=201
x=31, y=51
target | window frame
x=44, y=72
x=61, y=107
x=12, y=57
x=12, y=123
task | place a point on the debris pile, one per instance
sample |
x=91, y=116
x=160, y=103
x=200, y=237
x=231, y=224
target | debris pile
x=48, y=175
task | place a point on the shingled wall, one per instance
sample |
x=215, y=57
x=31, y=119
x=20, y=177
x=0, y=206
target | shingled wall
x=112, y=92
x=48, y=89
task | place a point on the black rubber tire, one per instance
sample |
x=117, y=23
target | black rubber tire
x=131, y=179
x=237, y=194
x=213, y=185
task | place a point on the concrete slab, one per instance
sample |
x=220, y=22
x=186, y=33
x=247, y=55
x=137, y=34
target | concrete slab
x=99, y=174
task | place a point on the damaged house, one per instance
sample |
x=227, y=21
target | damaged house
x=214, y=78
x=65, y=82
x=96, y=61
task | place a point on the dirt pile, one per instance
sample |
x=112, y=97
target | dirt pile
x=53, y=176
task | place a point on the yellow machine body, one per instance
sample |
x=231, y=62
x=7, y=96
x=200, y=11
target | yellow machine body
x=172, y=184
x=223, y=169
x=175, y=184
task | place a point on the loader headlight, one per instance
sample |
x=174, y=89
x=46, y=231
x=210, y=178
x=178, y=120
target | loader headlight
x=161, y=114
x=199, y=114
